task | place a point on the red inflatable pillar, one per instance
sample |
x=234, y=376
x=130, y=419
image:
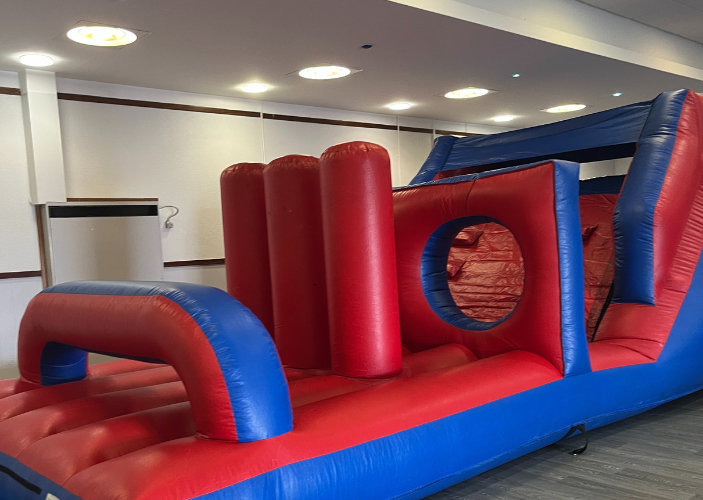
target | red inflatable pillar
x=297, y=255
x=362, y=287
x=246, y=242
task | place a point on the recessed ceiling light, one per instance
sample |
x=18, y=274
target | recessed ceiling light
x=516, y=75
x=102, y=36
x=617, y=94
x=466, y=93
x=254, y=88
x=565, y=108
x=36, y=60
x=324, y=72
x=504, y=118
x=399, y=106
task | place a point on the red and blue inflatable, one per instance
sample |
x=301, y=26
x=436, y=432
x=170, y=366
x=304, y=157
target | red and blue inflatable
x=355, y=362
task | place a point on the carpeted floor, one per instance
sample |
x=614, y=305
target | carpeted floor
x=657, y=455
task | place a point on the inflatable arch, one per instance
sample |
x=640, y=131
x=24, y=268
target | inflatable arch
x=378, y=385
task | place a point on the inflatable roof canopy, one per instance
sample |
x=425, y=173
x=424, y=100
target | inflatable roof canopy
x=600, y=136
x=379, y=343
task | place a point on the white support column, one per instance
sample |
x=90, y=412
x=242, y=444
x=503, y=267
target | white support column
x=43, y=136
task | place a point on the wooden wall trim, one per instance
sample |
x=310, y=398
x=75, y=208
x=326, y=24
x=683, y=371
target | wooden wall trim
x=20, y=274
x=415, y=129
x=10, y=91
x=449, y=132
x=96, y=200
x=238, y=112
x=326, y=121
x=197, y=262
x=156, y=105
x=42, y=246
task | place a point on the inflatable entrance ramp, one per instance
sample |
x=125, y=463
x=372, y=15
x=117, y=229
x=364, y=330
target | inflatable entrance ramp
x=378, y=343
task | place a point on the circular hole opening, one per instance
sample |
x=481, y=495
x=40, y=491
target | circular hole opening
x=485, y=272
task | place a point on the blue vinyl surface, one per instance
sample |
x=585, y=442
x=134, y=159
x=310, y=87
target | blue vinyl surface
x=633, y=222
x=608, y=128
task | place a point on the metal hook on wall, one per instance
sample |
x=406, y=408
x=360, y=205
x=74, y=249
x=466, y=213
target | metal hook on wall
x=168, y=224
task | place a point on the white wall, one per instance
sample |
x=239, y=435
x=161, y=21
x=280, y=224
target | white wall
x=604, y=168
x=177, y=156
x=19, y=249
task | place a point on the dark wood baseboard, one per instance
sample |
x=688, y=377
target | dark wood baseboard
x=449, y=132
x=97, y=200
x=156, y=105
x=20, y=274
x=197, y=262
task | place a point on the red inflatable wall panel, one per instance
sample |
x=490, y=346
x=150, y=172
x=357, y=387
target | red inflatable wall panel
x=535, y=324
x=297, y=255
x=362, y=289
x=246, y=241
x=598, y=253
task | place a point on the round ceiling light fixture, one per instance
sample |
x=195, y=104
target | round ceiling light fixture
x=399, y=106
x=516, y=75
x=101, y=36
x=36, y=60
x=566, y=108
x=617, y=94
x=324, y=72
x=467, y=93
x=254, y=88
x=504, y=118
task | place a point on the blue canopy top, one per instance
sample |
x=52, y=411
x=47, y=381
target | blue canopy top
x=598, y=136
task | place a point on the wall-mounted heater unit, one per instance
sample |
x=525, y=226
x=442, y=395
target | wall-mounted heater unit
x=102, y=240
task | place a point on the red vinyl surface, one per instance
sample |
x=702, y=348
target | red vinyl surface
x=598, y=253
x=297, y=255
x=113, y=435
x=485, y=272
x=535, y=324
x=321, y=427
x=246, y=240
x=133, y=326
x=362, y=289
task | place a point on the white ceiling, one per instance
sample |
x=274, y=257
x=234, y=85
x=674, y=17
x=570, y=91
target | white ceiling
x=680, y=17
x=210, y=46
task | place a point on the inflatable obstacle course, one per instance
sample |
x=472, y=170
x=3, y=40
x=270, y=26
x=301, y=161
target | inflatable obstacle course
x=351, y=365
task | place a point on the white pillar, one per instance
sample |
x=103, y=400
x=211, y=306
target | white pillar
x=43, y=136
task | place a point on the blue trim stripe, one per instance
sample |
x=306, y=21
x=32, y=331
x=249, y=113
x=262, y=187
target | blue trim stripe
x=257, y=386
x=10, y=489
x=434, y=163
x=472, y=177
x=607, y=128
x=633, y=222
x=573, y=321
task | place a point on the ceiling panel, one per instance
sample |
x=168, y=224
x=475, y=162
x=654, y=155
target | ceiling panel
x=211, y=46
x=680, y=17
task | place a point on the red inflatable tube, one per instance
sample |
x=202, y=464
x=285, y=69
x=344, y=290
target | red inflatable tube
x=142, y=326
x=362, y=289
x=297, y=256
x=246, y=241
